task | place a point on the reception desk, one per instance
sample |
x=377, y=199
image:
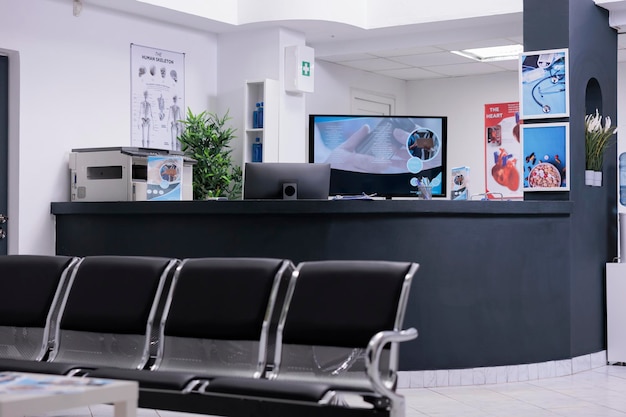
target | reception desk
x=493, y=287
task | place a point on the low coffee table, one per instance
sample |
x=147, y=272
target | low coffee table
x=23, y=394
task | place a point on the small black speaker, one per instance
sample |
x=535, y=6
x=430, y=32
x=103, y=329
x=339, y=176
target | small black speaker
x=290, y=191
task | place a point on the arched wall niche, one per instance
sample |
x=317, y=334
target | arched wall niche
x=593, y=97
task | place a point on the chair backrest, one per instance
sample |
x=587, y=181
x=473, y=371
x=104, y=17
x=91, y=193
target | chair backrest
x=218, y=315
x=107, y=314
x=30, y=288
x=332, y=310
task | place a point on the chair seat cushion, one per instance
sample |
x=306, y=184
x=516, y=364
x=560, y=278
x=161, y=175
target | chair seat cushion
x=55, y=368
x=163, y=380
x=288, y=390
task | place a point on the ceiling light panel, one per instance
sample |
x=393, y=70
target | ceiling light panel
x=492, y=53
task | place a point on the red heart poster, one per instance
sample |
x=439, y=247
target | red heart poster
x=503, y=151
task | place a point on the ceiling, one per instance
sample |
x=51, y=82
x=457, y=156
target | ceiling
x=408, y=52
x=428, y=55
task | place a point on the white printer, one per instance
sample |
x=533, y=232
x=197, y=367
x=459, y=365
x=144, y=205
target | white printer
x=118, y=173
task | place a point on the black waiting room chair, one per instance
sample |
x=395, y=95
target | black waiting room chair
x=30, y=291
x=338, y=337
x=105, y=315
x=216, y=322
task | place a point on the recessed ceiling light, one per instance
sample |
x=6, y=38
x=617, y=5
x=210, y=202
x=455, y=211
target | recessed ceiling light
x=493, y=53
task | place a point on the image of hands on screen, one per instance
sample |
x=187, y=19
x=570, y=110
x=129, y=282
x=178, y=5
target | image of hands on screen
x=378, y=145
x=361, y=153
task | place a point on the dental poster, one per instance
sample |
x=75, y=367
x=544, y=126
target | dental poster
x=165, y=175
x=503, y=151
x=157, y=97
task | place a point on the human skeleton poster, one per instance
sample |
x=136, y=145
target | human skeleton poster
x=157, y=97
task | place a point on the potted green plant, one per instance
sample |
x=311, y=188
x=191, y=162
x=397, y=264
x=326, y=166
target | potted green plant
x=206, y=139
x=597, y=141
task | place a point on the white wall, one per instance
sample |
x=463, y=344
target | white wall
x=74, y=81
x=293, y=120
x=244, y=56
x=463, y=100
x=334, y=82
x=255, y=56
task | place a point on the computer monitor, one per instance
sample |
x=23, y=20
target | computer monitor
x=286, y=181
x=389, y=156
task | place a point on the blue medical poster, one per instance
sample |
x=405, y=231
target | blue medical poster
x=544, y=84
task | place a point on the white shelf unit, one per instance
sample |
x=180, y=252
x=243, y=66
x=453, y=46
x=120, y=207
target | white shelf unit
x=615, y=312
x=266, y=91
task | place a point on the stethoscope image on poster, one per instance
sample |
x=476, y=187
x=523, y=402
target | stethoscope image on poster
x=544, y=86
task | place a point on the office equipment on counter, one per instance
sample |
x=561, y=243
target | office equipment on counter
x=286, y=181
x=118, y=173
x=385, y=154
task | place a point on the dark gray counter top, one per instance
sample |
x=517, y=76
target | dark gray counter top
x=435, y=207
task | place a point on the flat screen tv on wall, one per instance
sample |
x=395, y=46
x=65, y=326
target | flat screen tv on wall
x=384, y=155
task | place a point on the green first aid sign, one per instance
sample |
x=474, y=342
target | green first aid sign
x=306, y=69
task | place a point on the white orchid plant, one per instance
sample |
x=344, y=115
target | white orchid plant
x=597, y=139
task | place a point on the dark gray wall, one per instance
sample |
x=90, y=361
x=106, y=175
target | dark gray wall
x=583, y=28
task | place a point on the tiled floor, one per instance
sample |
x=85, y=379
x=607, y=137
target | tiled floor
x=599, y=392
x=594, y=393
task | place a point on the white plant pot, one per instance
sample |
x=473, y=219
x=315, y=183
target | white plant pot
x=589, y=177
x=597, y=178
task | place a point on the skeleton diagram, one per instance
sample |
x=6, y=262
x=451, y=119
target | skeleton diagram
x=176, y=127
x=145, y=114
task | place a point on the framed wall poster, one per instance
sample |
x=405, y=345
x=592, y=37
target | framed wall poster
x=544, y=84
x=546, y=156
x=157, y=97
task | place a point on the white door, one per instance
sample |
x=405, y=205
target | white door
x=364, y=102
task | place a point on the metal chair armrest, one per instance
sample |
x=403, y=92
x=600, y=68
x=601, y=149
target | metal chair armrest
x=372, y=363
